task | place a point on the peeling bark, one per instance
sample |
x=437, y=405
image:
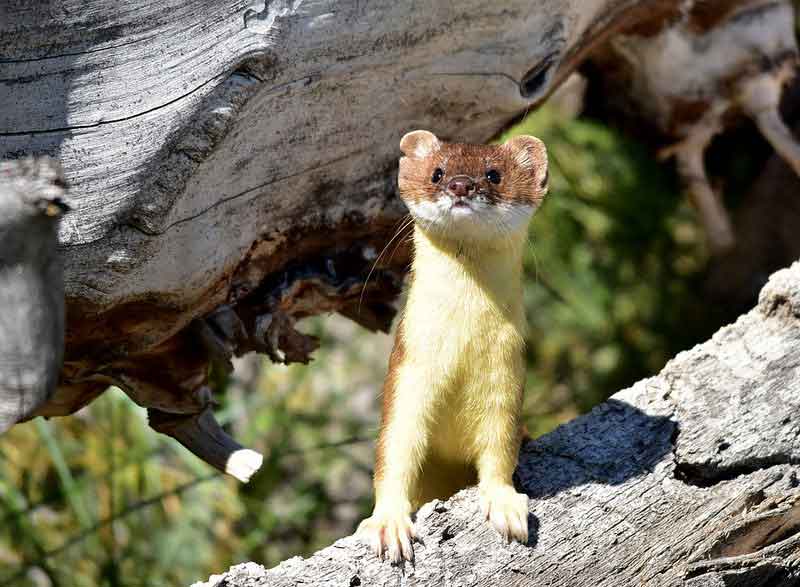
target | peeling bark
x=687, y=478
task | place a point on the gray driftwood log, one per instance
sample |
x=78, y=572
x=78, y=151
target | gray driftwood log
x=31, y=286
x=232, y=163
x=690, y=478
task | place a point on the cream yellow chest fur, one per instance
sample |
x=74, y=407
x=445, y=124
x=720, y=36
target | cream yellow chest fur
x=464, y=329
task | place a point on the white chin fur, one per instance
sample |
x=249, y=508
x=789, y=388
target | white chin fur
x=480, y=221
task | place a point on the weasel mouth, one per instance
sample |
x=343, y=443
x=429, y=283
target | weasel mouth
x=461, y=207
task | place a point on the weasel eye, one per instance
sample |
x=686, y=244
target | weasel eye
x=493, y=175
x=438, y=174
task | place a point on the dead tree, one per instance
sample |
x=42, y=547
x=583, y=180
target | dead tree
x=690, y=478
x=232, y=164
x=31, y=287
x=693, y=75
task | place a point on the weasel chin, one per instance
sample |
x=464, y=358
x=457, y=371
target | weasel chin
x=428, y=212
x=471, y=219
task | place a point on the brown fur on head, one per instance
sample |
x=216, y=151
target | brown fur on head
x=472, y=191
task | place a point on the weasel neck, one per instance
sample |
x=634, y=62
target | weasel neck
x=449, y=269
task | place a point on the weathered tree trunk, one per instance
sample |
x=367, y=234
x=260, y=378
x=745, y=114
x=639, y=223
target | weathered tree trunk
x=689, y=478
x=232, y=164
x=31, y=286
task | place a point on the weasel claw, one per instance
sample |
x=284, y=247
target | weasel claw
x=506, y=510
x=390, y=534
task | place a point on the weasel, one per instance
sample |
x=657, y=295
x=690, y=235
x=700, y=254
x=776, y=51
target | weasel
x=453, y=392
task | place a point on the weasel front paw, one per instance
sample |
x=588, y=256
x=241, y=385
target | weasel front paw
x=506, y=510
x=389, y=532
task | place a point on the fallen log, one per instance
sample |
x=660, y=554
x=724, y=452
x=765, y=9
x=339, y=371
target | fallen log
x=32, y=201
x=691, y=477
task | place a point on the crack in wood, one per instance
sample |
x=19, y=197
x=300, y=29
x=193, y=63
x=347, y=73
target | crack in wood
x=707, y=475
x=78, y=53
x=153, y=233
x=99, y=123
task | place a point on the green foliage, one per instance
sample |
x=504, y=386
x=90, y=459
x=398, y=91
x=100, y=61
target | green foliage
x=100, y=499
x=95, y=498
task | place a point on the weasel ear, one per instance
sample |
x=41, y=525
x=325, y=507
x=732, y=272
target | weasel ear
x=419, y=144
x=530, y=153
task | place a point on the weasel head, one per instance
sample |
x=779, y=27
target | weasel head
x=472, y=192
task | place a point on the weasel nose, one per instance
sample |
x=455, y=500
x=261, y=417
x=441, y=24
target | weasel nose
x=461, y=187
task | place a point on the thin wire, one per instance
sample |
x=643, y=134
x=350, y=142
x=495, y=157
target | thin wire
x=110, y=480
